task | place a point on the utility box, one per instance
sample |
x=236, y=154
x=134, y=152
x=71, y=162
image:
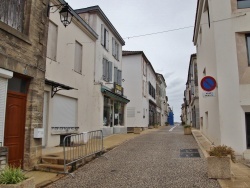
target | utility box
x=38, y=132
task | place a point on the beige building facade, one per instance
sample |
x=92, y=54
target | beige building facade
x=222, y=42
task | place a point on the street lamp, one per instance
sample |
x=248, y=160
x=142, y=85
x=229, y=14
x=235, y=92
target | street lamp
x=65, y=14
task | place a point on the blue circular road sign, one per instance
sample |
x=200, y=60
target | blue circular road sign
x=208, y=83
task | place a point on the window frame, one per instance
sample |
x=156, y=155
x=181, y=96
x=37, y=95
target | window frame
x=76, y=65
x=242, y=1
x=248, y=48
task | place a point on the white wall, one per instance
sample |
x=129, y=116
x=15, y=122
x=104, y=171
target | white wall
x=218, y=53
x=133, y=75
x=62, y=71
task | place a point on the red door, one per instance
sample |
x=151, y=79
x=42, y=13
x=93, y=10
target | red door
x=15, y=127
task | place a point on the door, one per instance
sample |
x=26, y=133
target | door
x=15, y=127
x=248, y=129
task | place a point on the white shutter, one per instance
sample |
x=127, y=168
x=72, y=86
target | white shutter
x=78, y=57
x=117, y=51
x=102, y=34
x=3, y=95
x=52, y=41
x=64, y=111
x=119, y=77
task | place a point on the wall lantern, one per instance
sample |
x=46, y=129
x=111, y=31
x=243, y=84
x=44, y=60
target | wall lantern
x=65, y=13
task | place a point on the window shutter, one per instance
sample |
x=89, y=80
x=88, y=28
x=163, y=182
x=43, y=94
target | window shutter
x=110, y=71
x=115, y=75
x=113, y=46
x=102, y=34
x=107, y=40
x=117, y=51
x=52, y=41
x=78, y=58
x=104, y=69
x=120, y=78
x=64, y=111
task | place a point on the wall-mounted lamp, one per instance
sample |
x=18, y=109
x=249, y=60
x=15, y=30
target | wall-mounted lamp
x=65, y=14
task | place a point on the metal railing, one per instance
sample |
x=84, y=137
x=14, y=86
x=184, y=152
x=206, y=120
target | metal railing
x=76, y=147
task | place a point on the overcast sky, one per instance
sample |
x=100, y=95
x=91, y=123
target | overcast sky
x=168, y=52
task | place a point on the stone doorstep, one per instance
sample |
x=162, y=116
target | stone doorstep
x=52, y=168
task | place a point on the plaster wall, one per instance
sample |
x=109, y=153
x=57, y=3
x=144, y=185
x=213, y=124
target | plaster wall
x=62, y=71
x=133, y=84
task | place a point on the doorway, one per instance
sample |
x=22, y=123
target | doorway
x=247, y=115
x=14, y=132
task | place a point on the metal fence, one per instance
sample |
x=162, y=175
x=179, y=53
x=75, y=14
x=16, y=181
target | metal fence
x=76, y=147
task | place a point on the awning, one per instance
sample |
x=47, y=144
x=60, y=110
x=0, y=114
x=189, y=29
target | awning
x=114, y=95
x=57, y=87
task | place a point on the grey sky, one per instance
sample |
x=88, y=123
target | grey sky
x=168, y=52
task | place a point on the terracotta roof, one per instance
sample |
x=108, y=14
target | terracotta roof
x=98, y=10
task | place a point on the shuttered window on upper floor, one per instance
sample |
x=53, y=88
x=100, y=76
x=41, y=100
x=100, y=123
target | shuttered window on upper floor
x=104, y=37
x=243, y=4
x=115, y=49
x=107, y=70
x=78, y=58
x=52, y=41
x=12, y=13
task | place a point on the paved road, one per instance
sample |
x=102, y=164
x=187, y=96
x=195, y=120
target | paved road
x=148, y=161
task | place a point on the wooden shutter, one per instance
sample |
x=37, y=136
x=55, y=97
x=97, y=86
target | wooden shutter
x=117, y=51
x=102, y=34
x=110, y=71
x=78, y=57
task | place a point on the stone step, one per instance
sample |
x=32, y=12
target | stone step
x=52, y=160
x=52, y=168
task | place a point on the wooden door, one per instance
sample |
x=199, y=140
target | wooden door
x=15, y=127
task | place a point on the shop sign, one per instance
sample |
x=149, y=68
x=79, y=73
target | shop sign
x=118, y=89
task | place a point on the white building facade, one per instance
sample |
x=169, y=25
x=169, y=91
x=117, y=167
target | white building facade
x=109, y=99
x=140, y=87
x=68, y=102
x=222, y=42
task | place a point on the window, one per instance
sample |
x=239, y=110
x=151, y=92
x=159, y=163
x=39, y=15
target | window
x=144, y=68
x=243, y=3
x=248, y=48
x=115, y=49
x=151, y=90
x=52, y=41
x=206, y=8
x=12, y=13
x=107, y=70
x=117, y=76
x=78, y=57
x=105, y=37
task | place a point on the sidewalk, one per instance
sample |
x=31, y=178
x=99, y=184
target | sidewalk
x=240, y=172
x=44, y=178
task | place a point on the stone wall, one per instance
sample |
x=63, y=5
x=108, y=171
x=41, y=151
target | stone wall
x=25, y=53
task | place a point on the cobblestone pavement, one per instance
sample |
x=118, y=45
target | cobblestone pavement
x=151, y=160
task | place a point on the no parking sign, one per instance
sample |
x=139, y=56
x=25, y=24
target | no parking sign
x=208, y=84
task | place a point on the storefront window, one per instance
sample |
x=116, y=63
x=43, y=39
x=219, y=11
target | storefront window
x=119, y=113
x=107, y=112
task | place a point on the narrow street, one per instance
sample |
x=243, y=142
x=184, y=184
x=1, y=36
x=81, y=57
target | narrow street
x=150, y=160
